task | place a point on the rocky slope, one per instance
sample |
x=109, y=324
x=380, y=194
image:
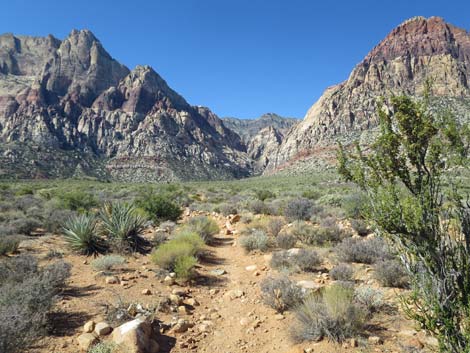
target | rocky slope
x=262, y=136
x=417, y=50
x=67, y=108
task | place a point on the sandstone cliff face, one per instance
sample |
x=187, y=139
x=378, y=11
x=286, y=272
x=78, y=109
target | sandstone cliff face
x=416, y=50
x=68, y=107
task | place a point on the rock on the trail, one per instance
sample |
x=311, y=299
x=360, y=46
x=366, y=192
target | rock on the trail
x=111, y=280
x=89, y=326
x=182, y=326
x=135, y=337
x=233, y=294
x=103, y=329
x=146, y=291
x=309, y=285
x=175, y=299
x=375, y=340
x=169, y=280
x=86, y=341
x=192, y=302
x=218, y=272
x=251, y=268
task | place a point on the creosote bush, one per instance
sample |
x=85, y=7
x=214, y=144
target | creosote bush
x=280, y=293
x=333, y=315
x=27, y=294
x=391, y=273
x=159, y=207
x=274, y=226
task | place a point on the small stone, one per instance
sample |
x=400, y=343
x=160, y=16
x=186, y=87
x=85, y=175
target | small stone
x=181, y=326
x=213, y=291
x=89, y=327
x=182, y=310
x=308, y=285
x=244, y=321
x=175, y=299
x=103, y=329
x=279, y=317
x=192, y=302
x=375, y=340
x=172, y=274
x=169, y=280
x=251, y=268
x=111, y=280
x=86, y=341
x=353, y=342
x=146, y=291
x=218, y=272
x=414, y=343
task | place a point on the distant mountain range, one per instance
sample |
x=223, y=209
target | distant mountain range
x=68, y=109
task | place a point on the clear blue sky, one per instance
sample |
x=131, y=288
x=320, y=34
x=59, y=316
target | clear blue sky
x=239, y=57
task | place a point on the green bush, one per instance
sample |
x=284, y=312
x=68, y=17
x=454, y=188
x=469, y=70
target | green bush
x=24, y=226
x=78, y=200
x=307, y=260
x=104, y=347
x=177, y=251
x=204, y=226
x=184, y=267
x=159, y=208
x=367, y=251
x=298, y=209
x=286, y=241
x=275, y=225
x=108, y=262
x=9, y=244
x=121, y=223
x=342, y=272
x=333, y=315
x=370, y=299
x=80, y=234
x=263, y=195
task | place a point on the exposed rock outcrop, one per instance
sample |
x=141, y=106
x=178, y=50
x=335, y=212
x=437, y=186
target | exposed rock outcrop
x=417, y=50
x=67, y=108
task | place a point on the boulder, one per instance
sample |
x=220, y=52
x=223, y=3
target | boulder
x=86, y=341
x=103, y=329
x=135, y=337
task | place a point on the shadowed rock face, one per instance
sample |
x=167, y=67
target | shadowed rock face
x=68, y=107
x=417, y=50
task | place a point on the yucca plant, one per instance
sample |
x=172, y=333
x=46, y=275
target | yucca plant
x=80, y=233
x=121, y=223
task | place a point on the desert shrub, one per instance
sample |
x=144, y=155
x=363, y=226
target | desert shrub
x=286, y=240
x=257, y=240
x=391, y=273
x=342, y=272
x=416, y=201
x=303, y=232
x=78, y=200
x=281, y=260
x=184, y=245
x=24, y=190
x=365, y=251
x=159, y=207
x=332, y=315
x=24, y=226
x=306, y=260
x=159, y=237
x=80, y=234
x=274, y=226
x=298, y=209
x=26, y=202
x=27, y=294
x=360, y=226
x=259, y=207
x=9, y=244
x=228, y=209
x=108, y=262
x=184, y=267
x=370, y=299
x=280, y=293
x=104, y=347
x=354, y=205
x=264, y=194
x=311, y=194
x=204, y=226
x=54, y=219
x=121, y=223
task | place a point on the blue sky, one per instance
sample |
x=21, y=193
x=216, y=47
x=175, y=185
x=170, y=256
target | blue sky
x=239, y=57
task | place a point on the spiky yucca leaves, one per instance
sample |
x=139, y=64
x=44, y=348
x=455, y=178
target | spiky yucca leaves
x=80, y=233
x=121, y=223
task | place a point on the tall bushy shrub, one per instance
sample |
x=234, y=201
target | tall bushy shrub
x=403, y=176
